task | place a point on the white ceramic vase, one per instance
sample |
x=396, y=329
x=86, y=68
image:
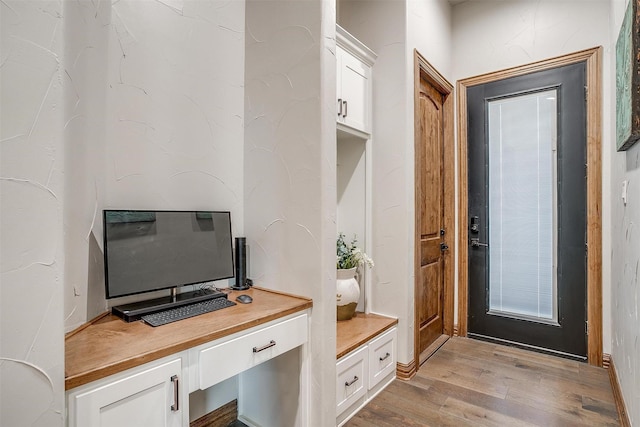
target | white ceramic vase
x=347, y=293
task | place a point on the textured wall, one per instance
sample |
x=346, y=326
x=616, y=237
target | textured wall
x=494, y=35
x=175, y=105
x=86, y=31
x=127, y=104
x=392, y=30
x=381, y=26
x=155, y=121
x=32, y=193
x=625, y=250
x=429, y=30
x=290, y=165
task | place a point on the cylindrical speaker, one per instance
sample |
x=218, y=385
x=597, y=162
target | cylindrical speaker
x=241, y=264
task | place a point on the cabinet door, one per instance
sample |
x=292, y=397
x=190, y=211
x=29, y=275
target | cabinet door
x=355, y=80
x=150, y=397
x=382, y=357
x=339, y=54
x=351, y=380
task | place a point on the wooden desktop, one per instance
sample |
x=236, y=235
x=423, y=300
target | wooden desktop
x=115, y=371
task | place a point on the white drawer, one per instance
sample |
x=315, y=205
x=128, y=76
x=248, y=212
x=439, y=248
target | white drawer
x=351, y=379
x=222, y=361
x=382, y=357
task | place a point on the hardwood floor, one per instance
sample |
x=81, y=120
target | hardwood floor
x=474, y=383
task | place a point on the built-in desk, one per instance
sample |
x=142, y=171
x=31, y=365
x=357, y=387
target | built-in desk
x=118, y=372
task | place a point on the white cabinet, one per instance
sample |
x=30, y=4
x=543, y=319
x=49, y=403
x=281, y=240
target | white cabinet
x=354, y=91
x=363, y=373
x=157, y=393
x=354, y=178
x=151, y=395
x=353, y=82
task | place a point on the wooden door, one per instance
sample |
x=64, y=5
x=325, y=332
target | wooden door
x=431, y=234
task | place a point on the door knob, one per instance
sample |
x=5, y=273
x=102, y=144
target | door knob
x=443, y=246
x=475, y=243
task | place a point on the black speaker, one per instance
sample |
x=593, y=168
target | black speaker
x=241, y=264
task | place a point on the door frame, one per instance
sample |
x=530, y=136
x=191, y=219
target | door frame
x=593, y=59
x=423, y=68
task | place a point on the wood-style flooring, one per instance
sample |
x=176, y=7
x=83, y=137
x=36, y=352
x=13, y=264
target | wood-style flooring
x=474, y=383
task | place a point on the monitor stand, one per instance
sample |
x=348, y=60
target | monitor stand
x=133, y=311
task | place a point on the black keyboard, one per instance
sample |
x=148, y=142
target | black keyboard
x=186, y=311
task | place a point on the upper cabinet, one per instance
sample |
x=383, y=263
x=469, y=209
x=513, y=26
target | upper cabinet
x=353, y=82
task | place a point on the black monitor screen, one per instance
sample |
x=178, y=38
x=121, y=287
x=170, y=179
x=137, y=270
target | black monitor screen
x=151, y=250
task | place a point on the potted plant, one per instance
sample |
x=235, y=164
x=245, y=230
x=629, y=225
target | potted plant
x=349, y=258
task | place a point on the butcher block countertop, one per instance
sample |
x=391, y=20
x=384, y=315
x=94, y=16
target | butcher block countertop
x=109, y=345
x=361, y=328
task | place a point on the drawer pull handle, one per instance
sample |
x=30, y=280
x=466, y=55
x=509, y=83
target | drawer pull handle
x=340, y=107
x=176, y=395
x=349, y=383
x=386, y=356
x=264, y=347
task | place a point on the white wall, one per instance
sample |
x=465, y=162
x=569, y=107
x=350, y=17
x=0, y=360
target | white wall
x=290, y=169
x=176, y=105
x=129, y=104
x=624, y=254
x=494, y=35
x=351, y=189
x=393, y=29
x=381, y=26
x=429, y=29
x=86, y=29
x=155, y=121
x=31, y=213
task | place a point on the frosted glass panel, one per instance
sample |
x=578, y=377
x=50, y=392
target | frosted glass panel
x=522, y=206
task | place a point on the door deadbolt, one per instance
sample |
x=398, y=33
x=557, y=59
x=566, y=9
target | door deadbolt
x=475, y=224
